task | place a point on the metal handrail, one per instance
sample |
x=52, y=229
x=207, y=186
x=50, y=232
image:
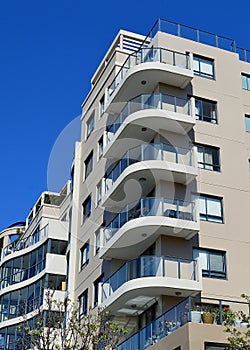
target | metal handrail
x=149, y=101
x=150, y=206
x=26, y=242
x=194, y=34
x=137, y=57
x=171, y=320
x=144, y=152
x=157, y=268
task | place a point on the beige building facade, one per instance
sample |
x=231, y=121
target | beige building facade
x=160, y=201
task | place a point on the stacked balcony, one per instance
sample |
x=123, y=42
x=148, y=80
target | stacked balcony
x=152, y=162
x=148, y=67
x=138, y=283
x=141, y=222
x=145, y=113
x=138, y=149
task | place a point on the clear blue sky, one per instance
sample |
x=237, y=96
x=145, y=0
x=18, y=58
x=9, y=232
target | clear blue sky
x=49, y=51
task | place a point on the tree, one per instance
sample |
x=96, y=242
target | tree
x=58, y=325
x=239, y=339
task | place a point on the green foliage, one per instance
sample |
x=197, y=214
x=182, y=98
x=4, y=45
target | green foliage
x=58, y=325
x=239, y=339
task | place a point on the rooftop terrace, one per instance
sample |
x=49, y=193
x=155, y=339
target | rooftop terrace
x=197, y=35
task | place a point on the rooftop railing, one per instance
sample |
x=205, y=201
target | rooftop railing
x=197, y=35
x=149, y=101
x=150, y=266
x=144, y=152
x=25, y=242
x=144, y=55
x=180, y=314
x=150, y=206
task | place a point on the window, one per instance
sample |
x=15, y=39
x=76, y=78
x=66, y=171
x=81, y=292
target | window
x=204, y=67
x=88, y=164
x=102, y=104
x=100, y=147
x=245, y=81
x=90, y=125
x=83, y=303
x=84, y=255
x=206, y=110
x=247, y=122
x=99, y=192
x=97, y=241
x=210, y=208
x=213, y=262
x=211, y=346
x=86, y=208
x=208, y=158
x=98, y=290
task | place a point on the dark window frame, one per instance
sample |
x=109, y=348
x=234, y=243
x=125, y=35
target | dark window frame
x=210, y=273
x=247, y=116
x=209, y=217
x=100, y=147
x=214, y=166
x=88, y=164
x=218, y=345
x=102, y=105
x=247, y=79
x=84, y=255
x=86, y=208
x=97, y=247
x=96, y=289
x=204, y=103
x=83, y=303
x=90, y=125
x=99, y=192
x=201, y=73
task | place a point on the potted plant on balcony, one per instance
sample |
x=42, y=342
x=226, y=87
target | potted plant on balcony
x=196, y=314
x=207, y=315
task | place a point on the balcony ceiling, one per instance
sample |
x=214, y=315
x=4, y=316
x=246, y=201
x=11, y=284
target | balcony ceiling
x=134, y=237
x=135, y=296
x=152, y=73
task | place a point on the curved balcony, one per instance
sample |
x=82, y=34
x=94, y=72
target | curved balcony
x=26, y=242
x=155, y=162
x=134, y=229
x=151, y=111
x=177, y=316
x=150, y=277
x=147, y=67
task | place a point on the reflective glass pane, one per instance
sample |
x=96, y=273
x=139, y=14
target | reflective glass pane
x=214, y=207
x=216, y=262
x=206, y=67
x=247, y=122
x=196, y=64
x=244, y=82
x=202, y=205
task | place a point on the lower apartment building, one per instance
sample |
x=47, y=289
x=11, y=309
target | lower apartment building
x=156, y=226
x=32, y=262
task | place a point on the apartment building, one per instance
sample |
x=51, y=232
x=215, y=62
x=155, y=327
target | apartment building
x=160, y=201
x=33, y=260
